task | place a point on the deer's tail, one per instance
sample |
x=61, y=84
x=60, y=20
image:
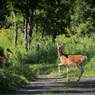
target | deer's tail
x=84, y=59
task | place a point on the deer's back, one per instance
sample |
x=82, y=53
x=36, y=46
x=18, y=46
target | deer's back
x=2, y=59
x=73, y=60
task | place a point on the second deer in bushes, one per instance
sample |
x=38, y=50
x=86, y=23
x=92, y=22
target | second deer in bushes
x=5, y=58
x=71, y=61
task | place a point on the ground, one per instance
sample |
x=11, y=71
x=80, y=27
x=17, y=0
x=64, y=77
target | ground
x=54, y=85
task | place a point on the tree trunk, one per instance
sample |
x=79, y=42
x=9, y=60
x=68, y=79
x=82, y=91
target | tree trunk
x=28, y=37
x=54, y=35
x=16, y=35
x=16, y=29
x=53, y=38
x=33, y=7
x=25, y=33
x=26, y=23
x=31, y=24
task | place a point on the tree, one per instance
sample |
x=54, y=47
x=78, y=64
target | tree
x=82, y=17
x=26, y=9
x=16, y=29
x=52, y=17
x=4, y=11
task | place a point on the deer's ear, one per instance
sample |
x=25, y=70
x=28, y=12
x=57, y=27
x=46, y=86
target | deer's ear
x=62, y=45
x=56, y=44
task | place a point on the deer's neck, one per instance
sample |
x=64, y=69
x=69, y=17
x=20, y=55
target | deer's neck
x=7, y=57
x=60, y=53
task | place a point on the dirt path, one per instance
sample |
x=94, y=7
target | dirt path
x=47, y=85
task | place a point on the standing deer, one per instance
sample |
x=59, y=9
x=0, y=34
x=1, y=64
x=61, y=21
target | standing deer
x=71, y=61
x=5, y=58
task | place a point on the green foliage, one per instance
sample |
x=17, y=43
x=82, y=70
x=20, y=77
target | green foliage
x=82, y=21
x=10, y=81
x=1, y=51
x=14, y=77
x=42, y=55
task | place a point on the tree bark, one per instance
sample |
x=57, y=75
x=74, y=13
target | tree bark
x=26, y=23
x=16, y=29
x=31, y=24
x=25, y=33
x=31, y=19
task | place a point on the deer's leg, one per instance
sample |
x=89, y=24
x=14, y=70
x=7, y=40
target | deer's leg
x=59, y=67
x=81, y=69
x=67, y=73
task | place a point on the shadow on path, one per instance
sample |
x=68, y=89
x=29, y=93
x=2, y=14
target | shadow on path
x=57, y=86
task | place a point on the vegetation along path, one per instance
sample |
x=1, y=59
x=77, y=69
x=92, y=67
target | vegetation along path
x=54, y=85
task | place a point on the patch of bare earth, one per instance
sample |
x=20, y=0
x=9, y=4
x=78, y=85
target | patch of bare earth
x=47, y=84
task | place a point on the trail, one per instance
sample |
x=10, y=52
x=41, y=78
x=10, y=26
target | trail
x=47, y=85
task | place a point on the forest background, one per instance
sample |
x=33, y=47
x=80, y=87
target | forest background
x=30, y=28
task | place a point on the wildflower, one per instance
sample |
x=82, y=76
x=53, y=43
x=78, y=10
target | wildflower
x=51, y=27
x=67, y=26
x=69, y=39
x=60, y=39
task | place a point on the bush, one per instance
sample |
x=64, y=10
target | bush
x=10, y=81
x=13, y=77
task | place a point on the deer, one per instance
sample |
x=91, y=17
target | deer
x=5, y=58
x=70, y=61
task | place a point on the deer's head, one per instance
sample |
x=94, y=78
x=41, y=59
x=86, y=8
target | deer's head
x=59, y=46
x=9, y=51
